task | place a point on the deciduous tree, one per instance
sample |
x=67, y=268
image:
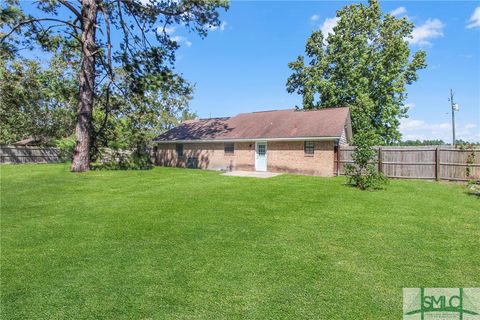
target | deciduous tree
x=36, y=101
x=365, y=64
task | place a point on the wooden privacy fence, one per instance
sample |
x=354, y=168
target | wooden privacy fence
x=14, y=154
x=433, y=163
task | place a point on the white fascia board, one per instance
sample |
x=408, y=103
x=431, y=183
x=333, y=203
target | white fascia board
x=252, y=140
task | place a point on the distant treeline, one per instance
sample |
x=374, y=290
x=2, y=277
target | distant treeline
x=434, y=143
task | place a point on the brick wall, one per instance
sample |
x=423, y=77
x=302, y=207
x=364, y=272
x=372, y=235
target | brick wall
x=289, y=156
x=281, y=157
x=209, y=155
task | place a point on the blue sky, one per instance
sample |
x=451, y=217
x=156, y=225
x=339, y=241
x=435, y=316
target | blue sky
x=242, y=66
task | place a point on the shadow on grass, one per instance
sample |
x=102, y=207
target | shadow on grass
x=473, y=194
x=370, y=189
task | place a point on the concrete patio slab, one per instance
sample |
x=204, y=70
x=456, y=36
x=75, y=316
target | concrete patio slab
x=251, y=174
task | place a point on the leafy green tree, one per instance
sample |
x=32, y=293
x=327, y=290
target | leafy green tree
x=435, y=142
x=132, y=123
x=365, y=65
x=36, y=101
x=460, y=143
x=144, y=51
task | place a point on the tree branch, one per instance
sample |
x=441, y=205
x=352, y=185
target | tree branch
x=161, y=11
x=123, y=25
x=142, y=29
x=110, y=74
x=31, y=21
x=109, y=42
x=71, y=8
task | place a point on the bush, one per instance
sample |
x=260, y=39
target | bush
x=365, y=178
x=66, y=146
x=122, y=160
x=363, y=173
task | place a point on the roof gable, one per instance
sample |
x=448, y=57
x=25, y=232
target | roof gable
x=278, y=124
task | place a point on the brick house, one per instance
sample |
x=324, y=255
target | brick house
x=295, y=141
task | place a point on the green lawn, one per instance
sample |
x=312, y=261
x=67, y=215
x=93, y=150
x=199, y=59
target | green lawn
x=187, y=244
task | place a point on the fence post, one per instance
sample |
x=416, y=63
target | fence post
x=380, y=164
x=437, y=163
x=338, y=160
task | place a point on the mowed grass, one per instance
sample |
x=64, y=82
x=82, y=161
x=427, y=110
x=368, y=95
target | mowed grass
x=188, y=244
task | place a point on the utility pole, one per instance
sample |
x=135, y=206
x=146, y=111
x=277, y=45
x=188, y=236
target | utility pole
x=454, y=108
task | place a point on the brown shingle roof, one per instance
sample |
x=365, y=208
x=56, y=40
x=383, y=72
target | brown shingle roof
x=32, y=141
x=276, y=124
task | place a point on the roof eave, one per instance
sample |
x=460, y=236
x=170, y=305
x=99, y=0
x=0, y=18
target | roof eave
x=250, y=140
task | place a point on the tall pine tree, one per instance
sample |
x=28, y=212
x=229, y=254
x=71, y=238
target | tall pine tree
x=143, y=48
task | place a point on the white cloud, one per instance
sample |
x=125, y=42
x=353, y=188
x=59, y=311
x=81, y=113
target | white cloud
x=398, y=11
x=409, y=124
x=166, y=30
x=431, y=29
x=169, y=30
x=328, y=25
x=466, y=56
x=474, y=21
x=222, y=26
x=180, y=39
x=315, y=17
x=187, y=16
x=413, y=129
x=409, y=105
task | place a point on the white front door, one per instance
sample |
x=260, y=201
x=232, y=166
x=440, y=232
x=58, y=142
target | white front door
x=261, y=156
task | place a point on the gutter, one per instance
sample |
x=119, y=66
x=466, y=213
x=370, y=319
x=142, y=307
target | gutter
x=250, y=140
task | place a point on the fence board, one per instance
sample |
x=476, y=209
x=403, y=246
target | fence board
x=14, y=154
x=422, y=162
x=453, y=164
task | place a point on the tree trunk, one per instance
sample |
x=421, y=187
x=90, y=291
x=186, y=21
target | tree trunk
x=86, y=77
